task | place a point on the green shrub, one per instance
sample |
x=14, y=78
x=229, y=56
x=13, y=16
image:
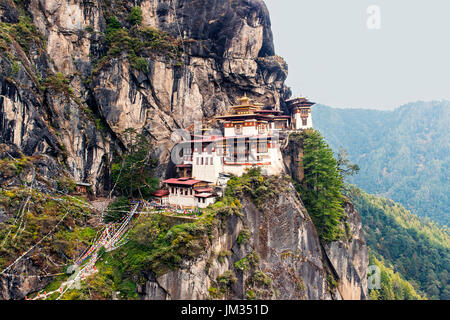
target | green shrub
x=100, y=125
x=223, y=254
x=244, y=236
x=139, y=63
x=89, y=29
x=136, y=42
x=25, y=33
x=15, y=67
x=250, y=295
x=66, y=184
x=59, y=83
x=254, y=185
x=332, y=283
x=242, y=264
x=215, y=293
x=226, y=279
x=135, y=16
x=261, y=279
x=112, y=25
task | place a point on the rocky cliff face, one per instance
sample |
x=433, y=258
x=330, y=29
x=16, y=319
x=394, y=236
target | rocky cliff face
x=348, y=258
x=78, y=116
x=68, y=91
x=282, y=258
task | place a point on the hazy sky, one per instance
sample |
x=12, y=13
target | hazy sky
x=335, y=59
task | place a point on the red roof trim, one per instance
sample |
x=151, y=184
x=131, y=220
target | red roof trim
x=184, y=165
x=181, y=182
x=161, y=193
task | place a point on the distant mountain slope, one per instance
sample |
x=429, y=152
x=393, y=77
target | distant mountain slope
x=418, y=249
x=393, y=284
x=403, y=154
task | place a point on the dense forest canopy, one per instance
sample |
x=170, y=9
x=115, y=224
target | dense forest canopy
x=403, y=154
x=392, y=285
x=416, y=248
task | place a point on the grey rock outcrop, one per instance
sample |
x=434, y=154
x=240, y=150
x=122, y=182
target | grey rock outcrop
x=57, y=101
x=227, y=51
x=283, y=236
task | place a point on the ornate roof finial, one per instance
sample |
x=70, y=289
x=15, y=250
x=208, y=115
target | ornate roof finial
x=245, y=101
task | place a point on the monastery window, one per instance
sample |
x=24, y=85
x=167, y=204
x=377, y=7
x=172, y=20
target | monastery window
x=211, y=161
x=201, y=161
x=262, y=147
x=261, y=128
x=206, y=161
x=172, y=190
x=186, y=192
x=304, y=121
x=238, y=129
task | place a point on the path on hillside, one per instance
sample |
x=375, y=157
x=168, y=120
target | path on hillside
x=111, y=239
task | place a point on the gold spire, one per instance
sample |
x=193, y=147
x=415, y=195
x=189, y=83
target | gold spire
x=245, y=101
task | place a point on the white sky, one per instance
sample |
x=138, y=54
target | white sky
x=334, y=59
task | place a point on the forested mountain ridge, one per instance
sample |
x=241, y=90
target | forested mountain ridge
x=82, y=84
x=416, y=248
x=403, y=154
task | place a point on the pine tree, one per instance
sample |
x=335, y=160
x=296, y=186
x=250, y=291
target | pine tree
x=321, y=186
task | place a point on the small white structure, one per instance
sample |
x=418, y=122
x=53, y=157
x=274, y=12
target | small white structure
x=161, y=197
x=301, y=113
x=204, y=197
x=189, y=193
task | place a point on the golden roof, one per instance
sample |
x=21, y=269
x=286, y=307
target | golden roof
x=247, y=104
x=245, y=101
